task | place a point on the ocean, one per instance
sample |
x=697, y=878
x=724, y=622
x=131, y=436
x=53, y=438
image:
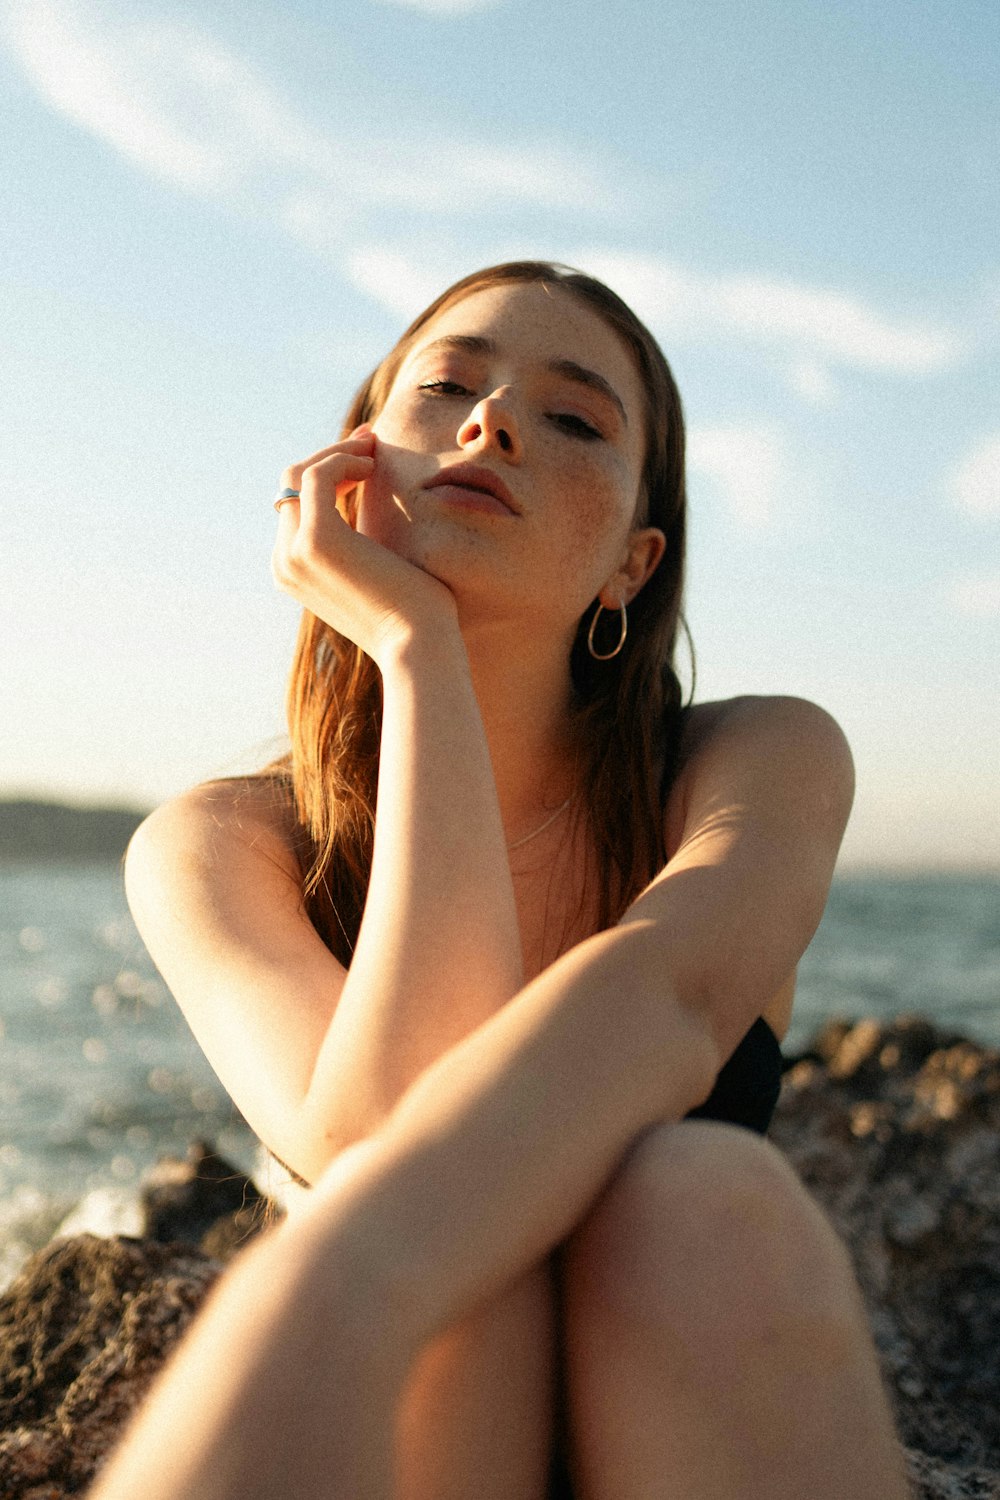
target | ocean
x=100, y=1076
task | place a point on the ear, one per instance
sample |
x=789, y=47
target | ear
x=645, y=548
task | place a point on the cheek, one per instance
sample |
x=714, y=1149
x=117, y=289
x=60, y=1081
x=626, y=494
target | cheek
x=598, y=505
x=409, y=425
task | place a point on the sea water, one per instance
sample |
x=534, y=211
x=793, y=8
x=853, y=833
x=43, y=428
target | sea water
x=100, y=1076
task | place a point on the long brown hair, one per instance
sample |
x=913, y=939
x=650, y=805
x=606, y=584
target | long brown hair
x=630, y=708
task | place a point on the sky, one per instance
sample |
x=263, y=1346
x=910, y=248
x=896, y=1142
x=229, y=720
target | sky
x=217, y=219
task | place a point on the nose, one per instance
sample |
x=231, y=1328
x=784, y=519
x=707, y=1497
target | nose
x=493, y=421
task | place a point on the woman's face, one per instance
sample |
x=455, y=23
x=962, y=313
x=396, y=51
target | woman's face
x=538, y=400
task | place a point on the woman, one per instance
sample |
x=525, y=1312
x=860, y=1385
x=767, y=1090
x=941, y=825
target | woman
x=515, y=1029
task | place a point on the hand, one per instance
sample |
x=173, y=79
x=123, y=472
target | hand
x=361, y=588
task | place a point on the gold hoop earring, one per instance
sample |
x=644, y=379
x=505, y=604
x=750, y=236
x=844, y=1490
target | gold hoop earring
x=606, y=655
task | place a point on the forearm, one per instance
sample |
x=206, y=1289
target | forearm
x=438, y=950
x=286, y=1384
x=498, y=1149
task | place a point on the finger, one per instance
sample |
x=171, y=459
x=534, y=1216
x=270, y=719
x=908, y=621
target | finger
x=361, y=440
x=288, y=525
x=323, y=482
x=304, y=521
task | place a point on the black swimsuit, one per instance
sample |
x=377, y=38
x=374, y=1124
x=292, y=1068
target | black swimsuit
x=745, y=1093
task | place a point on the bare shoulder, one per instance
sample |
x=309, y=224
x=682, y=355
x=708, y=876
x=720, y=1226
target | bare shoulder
x=752, y=718
x=764, y=748
x=211, y=818
x=214, y=888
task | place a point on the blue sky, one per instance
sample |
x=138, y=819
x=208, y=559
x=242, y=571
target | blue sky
x=217, y=218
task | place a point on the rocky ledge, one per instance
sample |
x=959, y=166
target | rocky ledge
x=894, y=1128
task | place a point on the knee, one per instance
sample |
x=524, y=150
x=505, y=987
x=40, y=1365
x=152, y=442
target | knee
x=706, y=1229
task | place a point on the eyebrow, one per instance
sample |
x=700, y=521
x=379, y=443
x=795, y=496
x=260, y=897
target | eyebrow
x=473, y=344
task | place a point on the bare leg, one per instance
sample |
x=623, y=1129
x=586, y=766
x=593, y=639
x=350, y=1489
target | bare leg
x=717, y=1347
x=476, y=1417
x=286, y=1384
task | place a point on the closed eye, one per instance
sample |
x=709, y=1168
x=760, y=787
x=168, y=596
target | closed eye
x=444, y=388
x=576, y=425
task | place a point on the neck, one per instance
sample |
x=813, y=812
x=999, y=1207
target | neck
x=525, y=699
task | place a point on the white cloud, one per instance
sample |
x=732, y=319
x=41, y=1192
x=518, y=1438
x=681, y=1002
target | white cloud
x=169, y=97
x=183, y=107
x=90, y=76
x=464, y=181
x=816, y=323
x=747, y=466
x=975, y=482
x=976, y=595
x=445, y=7
x=395, y=281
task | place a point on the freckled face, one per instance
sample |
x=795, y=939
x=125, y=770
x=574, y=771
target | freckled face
x=526, y=383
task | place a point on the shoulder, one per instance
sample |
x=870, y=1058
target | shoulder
x=768, y=749
x=756, y=719
x=252, y=813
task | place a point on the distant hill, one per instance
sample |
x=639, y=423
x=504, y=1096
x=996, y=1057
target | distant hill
x=53, y=831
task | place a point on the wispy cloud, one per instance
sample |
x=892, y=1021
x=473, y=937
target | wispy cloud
x=816, y=328
x=976, y=595
x=188, y=110
x=482, y=180
x=395, y=281
x=974, y=483
x=746, y=466
x=167, y=95
x=815, y=323
x=89, y=74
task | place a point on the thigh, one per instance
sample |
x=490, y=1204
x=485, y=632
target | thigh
x=700, y=1218
x=703, y=1237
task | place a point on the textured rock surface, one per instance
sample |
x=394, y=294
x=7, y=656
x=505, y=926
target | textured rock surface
x=895, y=1129
x=90, y=1320
x=82, y=1332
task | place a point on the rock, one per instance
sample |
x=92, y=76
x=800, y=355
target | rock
x=185, y=1200
x=89, y=1321
x=83, y=1330
x=895, y=1129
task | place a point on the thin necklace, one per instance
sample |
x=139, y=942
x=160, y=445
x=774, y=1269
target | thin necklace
x=541, y=827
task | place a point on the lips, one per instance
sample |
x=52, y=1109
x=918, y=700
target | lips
x=472, y=477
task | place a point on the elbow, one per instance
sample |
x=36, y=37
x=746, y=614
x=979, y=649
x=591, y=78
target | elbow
x=679, y=1009
x=706, y=1050
x=316, y=1141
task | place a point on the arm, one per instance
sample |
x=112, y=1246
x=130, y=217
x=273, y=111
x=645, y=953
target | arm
x=315, y=1056
x=439, y=948
x=495, y=1153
